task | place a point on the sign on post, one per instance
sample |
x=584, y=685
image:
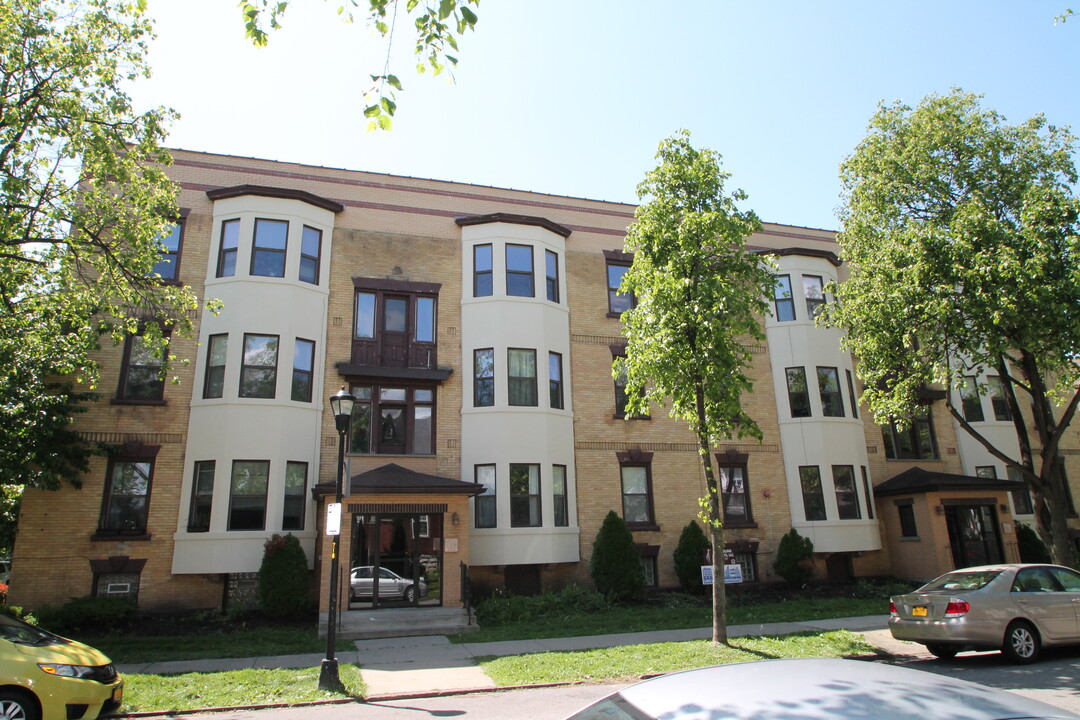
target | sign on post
x=333, y=519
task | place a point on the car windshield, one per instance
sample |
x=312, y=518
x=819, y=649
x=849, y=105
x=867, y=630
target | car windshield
x=960, y=581
x=24, y=634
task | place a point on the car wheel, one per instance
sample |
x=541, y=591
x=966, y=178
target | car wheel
x=1021, y=642
x=410, y=594
x=15, y=705
x=945, y=652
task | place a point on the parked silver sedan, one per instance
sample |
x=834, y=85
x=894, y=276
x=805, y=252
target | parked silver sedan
x=1015, y=608
x=391, y=585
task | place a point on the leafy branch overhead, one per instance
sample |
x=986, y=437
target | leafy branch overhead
x=437, y=27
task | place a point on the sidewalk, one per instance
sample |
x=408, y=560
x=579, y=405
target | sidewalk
x=431, y=664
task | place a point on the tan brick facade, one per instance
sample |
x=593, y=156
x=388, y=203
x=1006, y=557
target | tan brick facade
x=404, y=230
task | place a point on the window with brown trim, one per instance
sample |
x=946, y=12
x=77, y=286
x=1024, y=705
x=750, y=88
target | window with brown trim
x=519, y=271
x=812, y=493
x=310, y=255
x=814, y=294
x=202, y=496
x=168, y=264
x=126, y=500
x=560, y=496
x=847, y=495
x=618, y=302
x=303, y=370
x=521, y=377
x=216, y=354
x=635, y=472
x=551, y=262
x=395, y=324
x=140, y=373
x=555, y=380
x=798, y=392
x=483, y=285
x=228, y=246
x=868, y=493
x=783, y=300
x=735, y=491
x=914, y=442
x=294, y=503
x=258, y=373
x=832, y=402
x=268, y=248
x=247, y=494
x=393, y=419
x=525, y=498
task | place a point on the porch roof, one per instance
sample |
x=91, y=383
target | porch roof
x=393, y=479
x=919, y=480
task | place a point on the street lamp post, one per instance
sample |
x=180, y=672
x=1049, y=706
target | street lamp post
x=342, y=406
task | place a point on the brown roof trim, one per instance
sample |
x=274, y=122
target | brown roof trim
x=619, y=256
x=513, y=219
x=275, y=192
x=371, y=283
x=804, y=252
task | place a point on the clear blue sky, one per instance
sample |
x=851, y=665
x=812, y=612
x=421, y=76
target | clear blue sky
x=571, y=97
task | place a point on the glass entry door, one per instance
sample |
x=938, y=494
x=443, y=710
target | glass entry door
x=396, y=561
x=973, y=535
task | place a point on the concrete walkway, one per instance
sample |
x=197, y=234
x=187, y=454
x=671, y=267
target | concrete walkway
x=414, y=666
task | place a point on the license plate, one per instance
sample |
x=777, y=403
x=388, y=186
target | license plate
x=918, y=611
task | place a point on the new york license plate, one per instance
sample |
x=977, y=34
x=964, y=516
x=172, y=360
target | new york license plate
x=918, y=611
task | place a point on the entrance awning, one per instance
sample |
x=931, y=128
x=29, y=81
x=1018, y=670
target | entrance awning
x=917, y=481
x=393, y=479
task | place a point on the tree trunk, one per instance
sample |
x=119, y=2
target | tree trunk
x=716, y=528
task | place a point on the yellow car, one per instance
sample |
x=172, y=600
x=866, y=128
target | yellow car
x=46, y=677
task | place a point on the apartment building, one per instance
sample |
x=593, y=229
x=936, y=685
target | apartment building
x=443, y=307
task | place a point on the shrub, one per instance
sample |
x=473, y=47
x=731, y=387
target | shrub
x=284, y=583
x=688, y=558
x=571, y=600
x=1032, y=548
x=615, y=566
x=794, y=558
x=90, y=615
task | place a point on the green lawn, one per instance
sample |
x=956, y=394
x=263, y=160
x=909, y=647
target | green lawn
x=191, y=691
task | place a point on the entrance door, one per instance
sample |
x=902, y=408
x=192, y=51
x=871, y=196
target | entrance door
x=396, y=561
x=973, y=535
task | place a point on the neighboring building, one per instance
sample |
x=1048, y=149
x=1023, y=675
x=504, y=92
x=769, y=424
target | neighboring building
x=444, y=308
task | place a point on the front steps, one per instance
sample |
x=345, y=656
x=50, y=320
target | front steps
x=400, y=622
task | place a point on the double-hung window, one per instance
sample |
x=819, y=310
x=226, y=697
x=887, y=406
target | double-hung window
x=168, y=264
x=202, y=496
x=484, y=507
x=269, y=247
x=635, y=471
x=814, y=293
x=303, y=370
x=393, y=420
x=258, y=374
x=559, y=495
x=293, y=504
x=971, y=400
x=798, y=393
x=310, y=254
x=997, y=398
x=736, y=494
x=551, y=262
x=521, y=377
x=525, y=495
x=519, y=271
x=555, y=382
x=914, y=442
x=140, y=374
x=852, y=395
x=482, y=271
x=127, y=496
x=228, y=247
x=813, y=495
x=832, y=402
x=847, y=495
x=247, y=494
x=216, y=352
x=868, y=493
x=484, y=377
x=782, y=299
x=618, y=302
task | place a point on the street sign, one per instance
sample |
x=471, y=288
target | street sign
x=333, y=519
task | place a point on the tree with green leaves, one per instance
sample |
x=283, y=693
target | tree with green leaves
x=437, y=25
x=84, y=203
x=700, y=294
x=961, y=234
